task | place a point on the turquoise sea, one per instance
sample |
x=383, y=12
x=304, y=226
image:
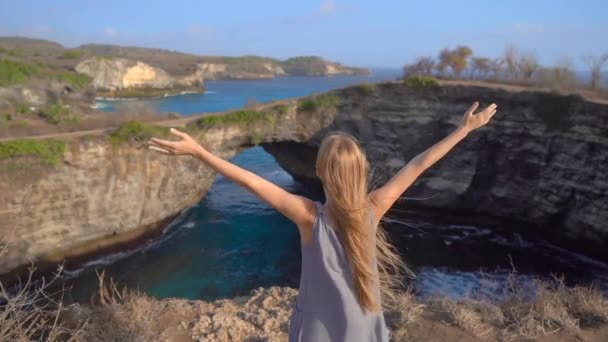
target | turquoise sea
x=230, y=242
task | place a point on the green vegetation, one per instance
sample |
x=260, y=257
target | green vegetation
x=72, y=54
x=256, y=139
x=280, y=108
x=142, y=92
x=10, y=52
x=422, y=82
x=366, y=88
x=101, y=58
x=49, y=150
x=23, y=108
x=241, y=117
x=136, y=131
x=12, y=72
x=315, y=103
x=74, y=79
x=305, y=65
x=57, y=114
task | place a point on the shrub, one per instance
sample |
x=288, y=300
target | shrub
x=315, y=103
x=49, y=150
x=22, y=108
x=366, y=88
x=72, y=54
x=241, y=117
x=12, y=72
x=136, y=131
x=76, y=80
x=281, y=108
x=421, y=82
x=56, y=113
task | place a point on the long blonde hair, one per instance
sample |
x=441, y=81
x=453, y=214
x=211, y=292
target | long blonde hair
x=343, y=169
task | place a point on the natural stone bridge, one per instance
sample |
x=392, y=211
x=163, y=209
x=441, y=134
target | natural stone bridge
x=542, y=162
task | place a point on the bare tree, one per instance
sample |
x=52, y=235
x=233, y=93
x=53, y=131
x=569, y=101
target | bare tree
x=527, y=66
x=497, y=68
x=559, y=77
x=480, y=67
x=511, y=58
x=595, y=65
x=423, y=66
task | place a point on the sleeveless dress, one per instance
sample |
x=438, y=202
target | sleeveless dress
x=326, y=308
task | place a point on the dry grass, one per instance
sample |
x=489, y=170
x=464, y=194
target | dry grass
x=119, y=315
x=29, y=312
x=556, y=308
x=404, y=311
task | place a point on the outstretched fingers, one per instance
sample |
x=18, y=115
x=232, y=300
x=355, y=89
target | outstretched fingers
x=177, y=133
x=472, y=109
x=158, y=149
x=162, y=143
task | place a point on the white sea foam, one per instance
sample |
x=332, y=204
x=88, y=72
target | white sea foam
x=189, y=224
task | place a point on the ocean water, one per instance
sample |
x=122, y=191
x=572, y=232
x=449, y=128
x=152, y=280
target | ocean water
x=230, y=242
x=224, y=95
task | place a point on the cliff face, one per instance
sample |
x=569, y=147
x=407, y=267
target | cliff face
x=120, y=73
x=541, y=161
x=94, y=192
x=257, y=67
x=217, y=71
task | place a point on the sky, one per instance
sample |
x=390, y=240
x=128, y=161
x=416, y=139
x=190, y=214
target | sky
x=378, y=33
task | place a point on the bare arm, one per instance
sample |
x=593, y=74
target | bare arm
x=298, y=209
x=383, y=198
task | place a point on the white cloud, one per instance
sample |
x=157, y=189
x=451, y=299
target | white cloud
x=327, y=7
x=110, y=32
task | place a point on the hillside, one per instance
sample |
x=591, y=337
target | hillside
x=175, y=63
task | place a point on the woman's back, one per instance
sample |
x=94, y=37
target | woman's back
x=326, y=308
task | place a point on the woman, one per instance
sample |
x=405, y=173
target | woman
x=346, y=261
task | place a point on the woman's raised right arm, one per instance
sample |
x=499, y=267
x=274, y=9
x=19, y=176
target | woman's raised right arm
x=298, y=209
x=383, y=198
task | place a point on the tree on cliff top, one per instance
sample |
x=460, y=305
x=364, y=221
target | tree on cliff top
x=456, y=60
x=595, y=65
x=423, y=66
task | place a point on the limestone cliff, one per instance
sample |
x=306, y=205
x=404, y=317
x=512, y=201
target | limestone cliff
x=86, y=193
x=216, y=71
x=541, y=162
x=252, y=67
x=119, y=74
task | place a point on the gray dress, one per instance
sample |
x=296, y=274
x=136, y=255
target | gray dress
x=326, y=308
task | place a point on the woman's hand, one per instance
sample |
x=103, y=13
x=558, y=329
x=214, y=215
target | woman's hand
x=472, y=121
x=184, y=146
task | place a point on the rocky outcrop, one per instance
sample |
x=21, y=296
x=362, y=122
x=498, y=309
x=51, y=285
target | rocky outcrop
x=541, y=162
x=118, y=74
x=265, y=68
x=97, y=192
x=233, y=71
